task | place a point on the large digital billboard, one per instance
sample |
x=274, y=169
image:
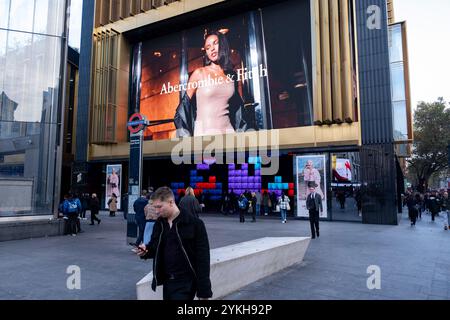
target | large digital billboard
x=246, y=72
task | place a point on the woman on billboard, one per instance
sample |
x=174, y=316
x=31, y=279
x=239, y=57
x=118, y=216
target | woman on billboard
x=212, y=104
x=113, y=183
x=312, y=175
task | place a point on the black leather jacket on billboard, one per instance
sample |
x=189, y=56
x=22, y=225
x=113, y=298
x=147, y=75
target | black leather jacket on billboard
x=186, y=114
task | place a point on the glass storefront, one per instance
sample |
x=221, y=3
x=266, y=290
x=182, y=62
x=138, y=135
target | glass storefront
x=31, y=46
x=346, y=188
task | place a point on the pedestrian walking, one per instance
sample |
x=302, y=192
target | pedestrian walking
x=253, y=206
x=434, y=205
x=139, y=217
x=266, y=203
x=446, y=209
x=413, y=208
x=190, y=203
x=95, y=208
x=84, y=205
x=80, y=206
x=112, y=204
x=71, y=209
x=283, y=202
x=179, y=248
x=314, y=206
x=258, y=203
x=243, y=204
x=150, y=219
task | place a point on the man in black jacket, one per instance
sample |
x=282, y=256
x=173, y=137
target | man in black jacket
x=314, y=205
x=179, y=248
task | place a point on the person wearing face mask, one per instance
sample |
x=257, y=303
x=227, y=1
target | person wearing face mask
x=212, y=104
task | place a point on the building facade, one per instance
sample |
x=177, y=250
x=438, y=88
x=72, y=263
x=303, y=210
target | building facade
x=32, y=54
x=311, y=82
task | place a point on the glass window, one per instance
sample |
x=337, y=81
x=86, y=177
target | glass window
x=21, y=15
x=346, y=202
x=3, y=35
x=400, y=121
x=396, y=43
x=33, y=69
x=4, y=13
x=49, y=17
x=398, y=82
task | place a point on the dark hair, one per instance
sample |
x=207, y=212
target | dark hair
x=312, y=184
x=224, y=52
x=163, y=194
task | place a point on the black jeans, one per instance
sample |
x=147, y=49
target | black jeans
x=242, y=213
x=94, y=216
x=182, y=288
x=73, y=223
x=141, y=228
x=314, y=222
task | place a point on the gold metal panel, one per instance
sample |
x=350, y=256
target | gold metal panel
x=336, y=62
x=326, y=63
x=316, y=61
x=347, y=78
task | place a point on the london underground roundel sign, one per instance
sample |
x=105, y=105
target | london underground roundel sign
x=136, y=123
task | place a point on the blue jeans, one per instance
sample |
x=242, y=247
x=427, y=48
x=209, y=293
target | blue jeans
x=283, y=214
x=258, y=210
x=148, y=231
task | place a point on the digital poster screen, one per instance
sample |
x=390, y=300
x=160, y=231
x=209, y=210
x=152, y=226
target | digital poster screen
x=246, y=72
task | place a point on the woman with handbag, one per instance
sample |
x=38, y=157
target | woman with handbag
x=284, y=206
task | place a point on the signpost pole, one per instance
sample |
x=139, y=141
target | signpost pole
x=134, y=173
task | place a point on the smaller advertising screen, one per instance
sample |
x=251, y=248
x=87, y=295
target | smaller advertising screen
x=342, y=170
x=113, y=184
x=310, y=174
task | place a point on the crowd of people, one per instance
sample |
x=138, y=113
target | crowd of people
x=256, y=204
x=433, y=203
x=73, y=209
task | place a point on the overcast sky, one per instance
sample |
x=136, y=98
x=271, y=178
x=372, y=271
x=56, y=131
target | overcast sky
x=428, y=24
x=428, y=41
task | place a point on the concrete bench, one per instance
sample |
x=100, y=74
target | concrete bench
x=236, y=266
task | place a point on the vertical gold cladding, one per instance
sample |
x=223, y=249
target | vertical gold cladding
x=390, y=10
x=317, y=65
x=336, y=61
x=347, y=91
x=326, y=63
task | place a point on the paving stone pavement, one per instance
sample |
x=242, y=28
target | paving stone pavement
x=414, y=262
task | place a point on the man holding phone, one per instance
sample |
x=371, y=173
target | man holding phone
x=179, y=247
